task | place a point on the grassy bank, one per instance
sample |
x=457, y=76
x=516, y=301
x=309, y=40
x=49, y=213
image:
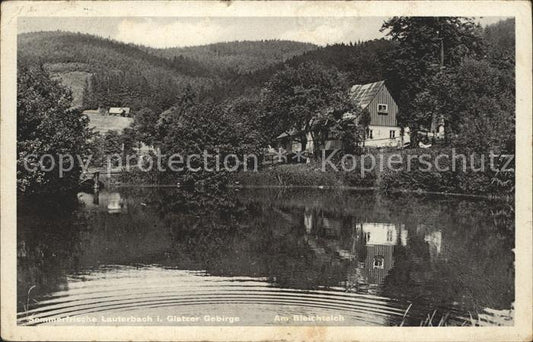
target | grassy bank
x=409, y=172
x=450, y=173
x=302, y=175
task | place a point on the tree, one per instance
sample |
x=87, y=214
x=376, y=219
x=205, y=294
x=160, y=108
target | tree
x=476, y=101
x=88, y=99
x=145, y=126
x=360, y=133
x=128, y=140
x=210, y=131
x=500, y=41
x=112, y=143
x=243, y=115
x=350, y=131
x=46, y=124
x=424, y=46
x=304, y=100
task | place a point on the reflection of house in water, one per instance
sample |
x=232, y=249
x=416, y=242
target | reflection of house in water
x=366, y=249
x=370, y=244
x=111, y=202
x=380, y=239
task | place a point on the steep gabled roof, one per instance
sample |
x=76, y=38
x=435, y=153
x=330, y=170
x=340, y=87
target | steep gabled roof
x=363, y=94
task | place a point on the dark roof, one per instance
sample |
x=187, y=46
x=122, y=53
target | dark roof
x=363, y=94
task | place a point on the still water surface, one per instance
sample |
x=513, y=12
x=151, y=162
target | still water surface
x=263, y=257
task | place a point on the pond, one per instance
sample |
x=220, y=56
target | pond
x=164, y=256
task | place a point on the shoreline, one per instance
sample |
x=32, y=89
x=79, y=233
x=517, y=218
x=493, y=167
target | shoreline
x=326, y=187
x=375, y=188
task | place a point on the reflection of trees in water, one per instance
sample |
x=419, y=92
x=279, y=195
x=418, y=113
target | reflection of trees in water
x=454, y=251
x=48, y=245
x=251, y=240
x=457, y=250
x=223, y=236
x=475, y=265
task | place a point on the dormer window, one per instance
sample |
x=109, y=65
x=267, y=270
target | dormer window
x=383, y=108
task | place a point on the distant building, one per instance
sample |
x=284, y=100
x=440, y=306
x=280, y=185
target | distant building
x=122, y=111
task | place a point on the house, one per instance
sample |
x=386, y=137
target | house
x=383, y=130
x=122, y=111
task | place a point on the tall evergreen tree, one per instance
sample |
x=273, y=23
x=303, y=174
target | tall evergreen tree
x=424, y=46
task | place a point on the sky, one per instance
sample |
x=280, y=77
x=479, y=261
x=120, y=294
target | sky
x=160, y=32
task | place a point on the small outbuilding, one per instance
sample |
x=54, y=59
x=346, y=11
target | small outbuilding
x=122, y=111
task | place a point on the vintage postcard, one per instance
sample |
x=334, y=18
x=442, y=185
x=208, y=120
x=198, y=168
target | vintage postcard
x=266, y=170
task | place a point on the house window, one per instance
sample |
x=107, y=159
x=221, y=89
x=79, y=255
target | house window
x=383, y=108
x=379, y=262
x=369, y=133
x=392, y=134
x=389, y=235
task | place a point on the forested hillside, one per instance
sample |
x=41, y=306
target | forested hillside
x=370, y=61
x=240, y=57
x=103, y=72
x=361, y=62
x=112, y=73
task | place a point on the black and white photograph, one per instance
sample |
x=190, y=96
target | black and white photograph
x=293, y=171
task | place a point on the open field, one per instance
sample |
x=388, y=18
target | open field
x=104, y=123
x=75, y=81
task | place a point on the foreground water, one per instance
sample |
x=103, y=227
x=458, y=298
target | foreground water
x=260, y=257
